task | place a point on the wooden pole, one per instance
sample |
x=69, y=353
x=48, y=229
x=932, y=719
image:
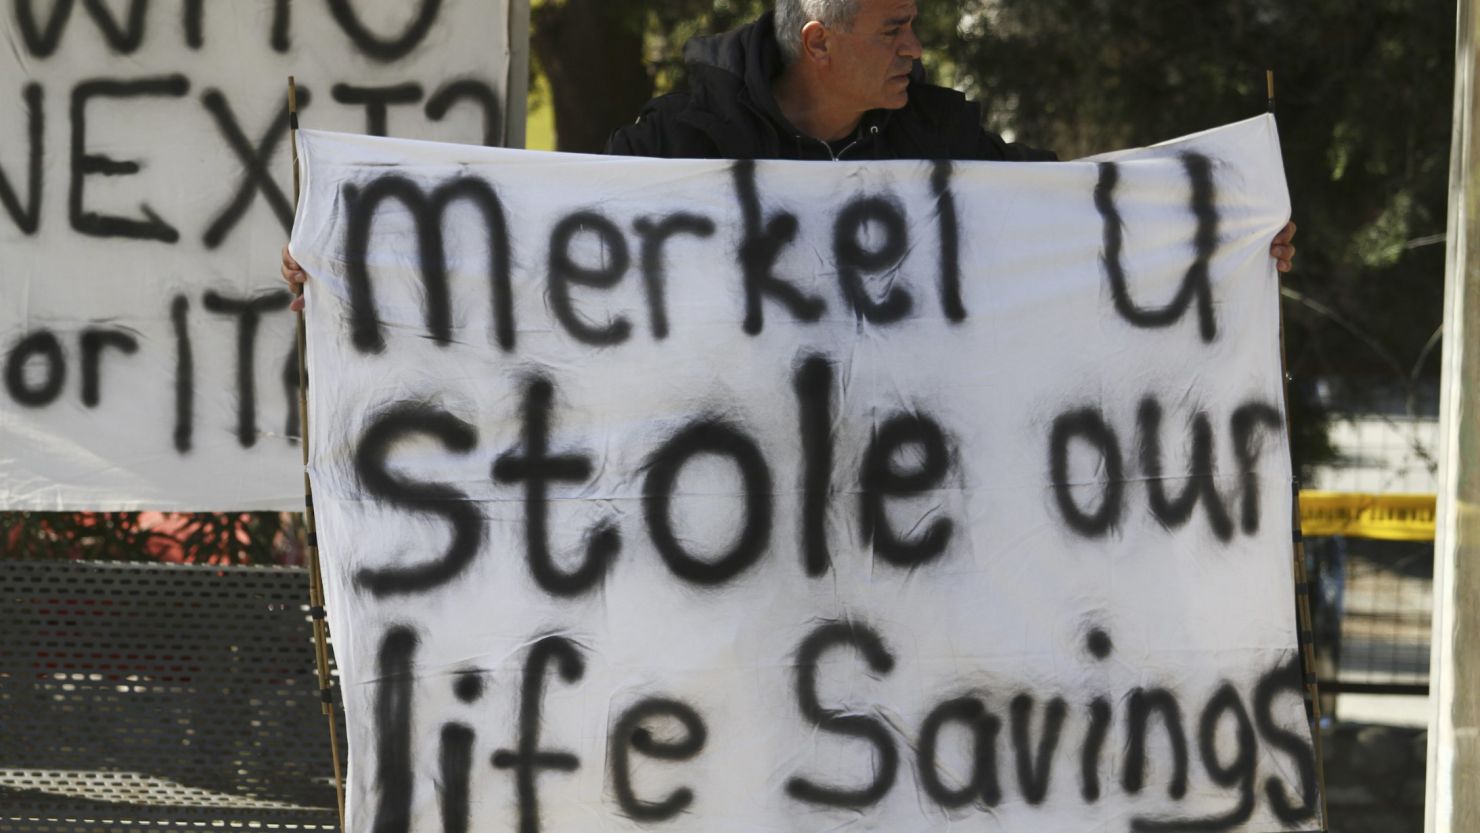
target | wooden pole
x=1306, y=633
x=315, y=576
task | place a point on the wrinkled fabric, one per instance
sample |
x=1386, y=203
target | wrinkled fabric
x=977, y=516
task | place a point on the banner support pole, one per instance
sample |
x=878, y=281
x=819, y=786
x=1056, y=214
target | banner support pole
x=315, y=576
x=1304, y=622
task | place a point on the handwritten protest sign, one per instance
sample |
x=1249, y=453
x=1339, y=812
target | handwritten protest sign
x=739, y=496
x=145, y=192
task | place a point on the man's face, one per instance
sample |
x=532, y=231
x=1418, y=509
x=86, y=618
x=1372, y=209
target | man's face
x=871, y=64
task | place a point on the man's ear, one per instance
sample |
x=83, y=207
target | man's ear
x=815, y=42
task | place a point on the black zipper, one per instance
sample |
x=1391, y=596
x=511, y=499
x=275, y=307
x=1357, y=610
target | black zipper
x=838, y=157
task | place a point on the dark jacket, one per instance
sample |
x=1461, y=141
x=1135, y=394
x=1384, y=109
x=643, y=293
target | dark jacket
x=728, y=112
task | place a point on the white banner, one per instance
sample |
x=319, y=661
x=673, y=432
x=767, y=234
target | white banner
x=736, y=496
x=145, y=193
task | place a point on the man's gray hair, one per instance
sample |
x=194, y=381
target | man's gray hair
x=792, y=15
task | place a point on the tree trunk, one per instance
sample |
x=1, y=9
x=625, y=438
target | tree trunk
x=592, y=53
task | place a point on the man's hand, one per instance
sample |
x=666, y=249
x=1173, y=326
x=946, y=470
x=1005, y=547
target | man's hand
x=1282, y=250
x=293, y=274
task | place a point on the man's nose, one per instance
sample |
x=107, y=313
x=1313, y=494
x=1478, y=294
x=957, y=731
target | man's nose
x=910, y=47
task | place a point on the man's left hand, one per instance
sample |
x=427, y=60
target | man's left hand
x=1282, y=249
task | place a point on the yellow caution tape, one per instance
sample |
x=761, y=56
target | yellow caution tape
x=1380, y=517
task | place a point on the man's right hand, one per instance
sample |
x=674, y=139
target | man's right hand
x=294, y=275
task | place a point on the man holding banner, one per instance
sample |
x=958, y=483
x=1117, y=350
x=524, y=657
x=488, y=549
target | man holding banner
x=843, y=83
x=758, y=496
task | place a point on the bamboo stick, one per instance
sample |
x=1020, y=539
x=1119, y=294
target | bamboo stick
x=315, y=576
x=1306, y=634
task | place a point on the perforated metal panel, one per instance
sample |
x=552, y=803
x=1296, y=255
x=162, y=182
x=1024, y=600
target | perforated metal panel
x=141, y=697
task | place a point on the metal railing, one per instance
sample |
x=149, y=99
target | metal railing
x=1370, y=559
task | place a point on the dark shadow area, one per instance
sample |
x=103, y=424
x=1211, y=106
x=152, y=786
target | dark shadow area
x=1375, y=778
x=136, y=693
